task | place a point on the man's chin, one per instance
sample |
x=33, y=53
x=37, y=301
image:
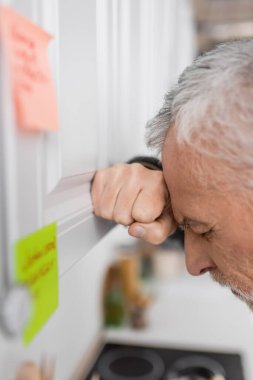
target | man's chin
x=249, y=304
x=220, y=279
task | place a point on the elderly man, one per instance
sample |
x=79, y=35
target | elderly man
x=204, y=133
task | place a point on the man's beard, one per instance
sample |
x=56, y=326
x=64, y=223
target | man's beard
x=234, y=286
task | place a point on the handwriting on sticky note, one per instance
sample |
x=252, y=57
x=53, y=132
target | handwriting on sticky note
x=36, y=267
x=25, y=48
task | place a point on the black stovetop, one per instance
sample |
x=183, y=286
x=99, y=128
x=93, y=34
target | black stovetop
x=126, y=362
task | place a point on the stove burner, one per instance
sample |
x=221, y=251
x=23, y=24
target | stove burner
x=195, y=368
x=118, y=361
x=131, y=364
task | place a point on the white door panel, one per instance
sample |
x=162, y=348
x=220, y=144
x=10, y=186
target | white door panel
x=46, y=176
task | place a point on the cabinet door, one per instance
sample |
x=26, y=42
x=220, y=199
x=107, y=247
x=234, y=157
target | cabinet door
x=46, y=177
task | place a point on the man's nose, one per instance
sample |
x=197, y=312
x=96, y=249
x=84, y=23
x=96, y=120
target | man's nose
x=197, y=259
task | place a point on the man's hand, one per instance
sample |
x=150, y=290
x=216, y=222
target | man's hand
x=134, y=196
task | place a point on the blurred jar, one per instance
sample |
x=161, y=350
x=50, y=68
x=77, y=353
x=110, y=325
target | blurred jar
x=138, y=311
x=113, y=300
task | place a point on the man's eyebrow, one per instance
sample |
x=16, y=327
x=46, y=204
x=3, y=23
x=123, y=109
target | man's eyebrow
x=192, y=222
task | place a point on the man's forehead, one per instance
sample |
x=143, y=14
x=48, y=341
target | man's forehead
x=182, y=152
x=177, y=160
x=184, y=166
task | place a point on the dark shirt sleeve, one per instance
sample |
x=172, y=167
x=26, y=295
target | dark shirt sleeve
x=149, y=162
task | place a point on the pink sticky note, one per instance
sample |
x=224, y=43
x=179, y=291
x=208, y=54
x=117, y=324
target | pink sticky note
x=25, y=47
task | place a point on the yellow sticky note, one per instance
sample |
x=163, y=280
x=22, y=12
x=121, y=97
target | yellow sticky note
x=25, y=46
x=36, y=266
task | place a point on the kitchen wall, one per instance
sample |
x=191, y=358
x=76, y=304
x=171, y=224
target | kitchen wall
x=152, y=42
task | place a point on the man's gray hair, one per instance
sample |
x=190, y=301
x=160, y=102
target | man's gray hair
x=211, y=106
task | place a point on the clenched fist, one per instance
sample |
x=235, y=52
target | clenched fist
x=132, y=195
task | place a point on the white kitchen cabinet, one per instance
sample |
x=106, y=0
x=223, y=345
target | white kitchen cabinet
x=46, y=176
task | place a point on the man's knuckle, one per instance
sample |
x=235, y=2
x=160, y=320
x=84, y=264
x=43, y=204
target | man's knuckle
x=122, y=218
x=106, y=214
x=144, y=215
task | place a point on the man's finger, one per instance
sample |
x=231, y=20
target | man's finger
x=97, y=188
x=155, y=232
x=148, y=206
x=107, y=201
x=122, y=212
